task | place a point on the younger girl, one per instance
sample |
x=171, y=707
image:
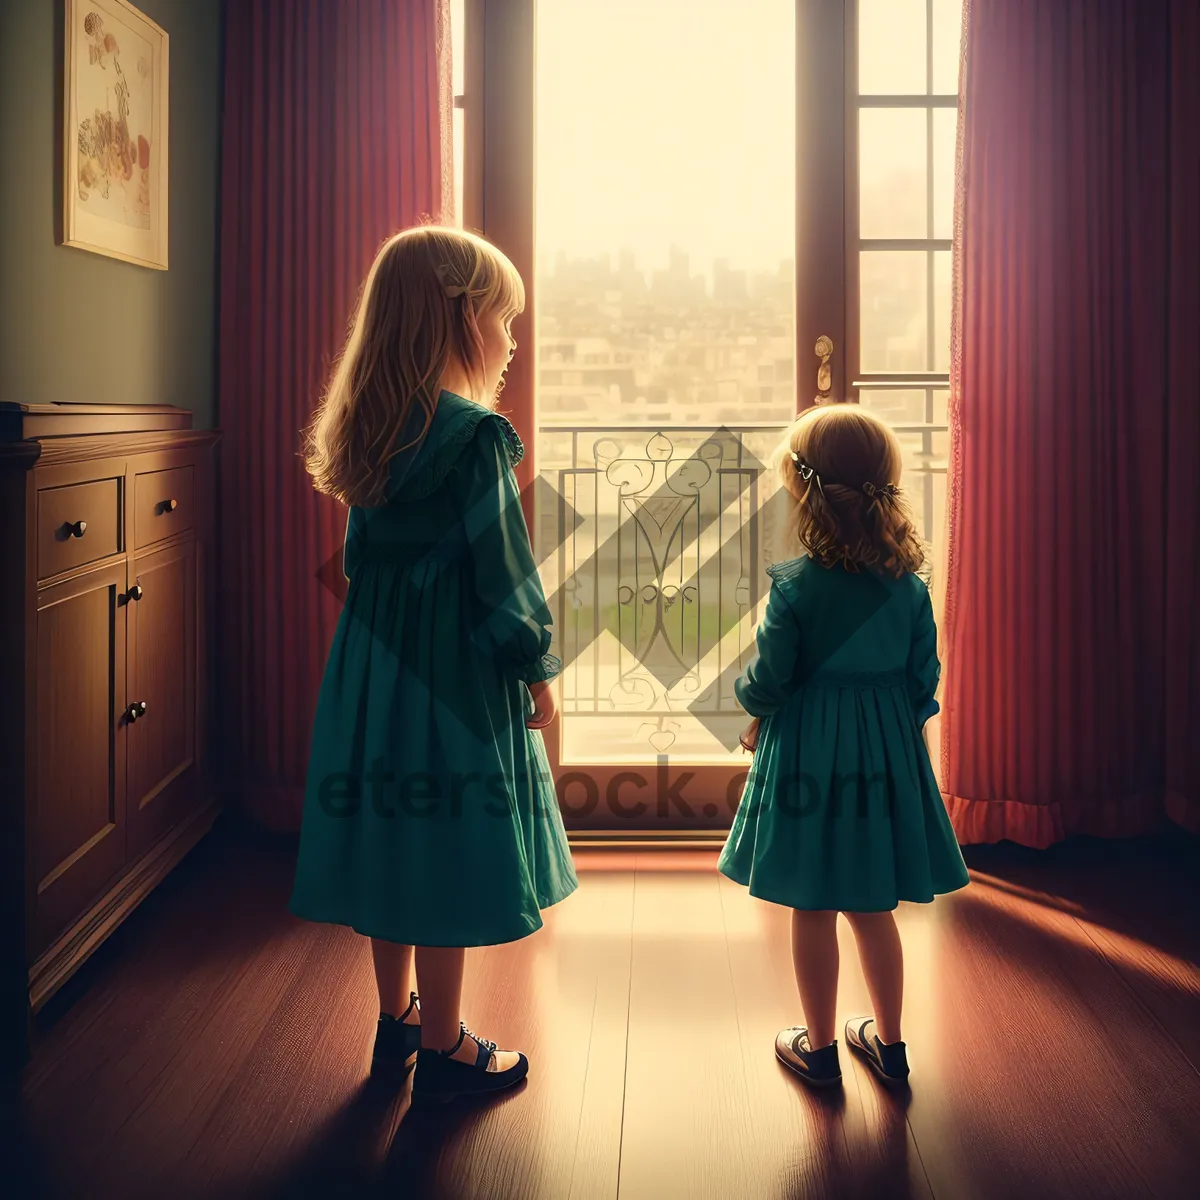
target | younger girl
x=430, y=816
x=841, y=812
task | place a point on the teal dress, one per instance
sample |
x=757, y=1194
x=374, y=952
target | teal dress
x=841, y=809
x=430, y=815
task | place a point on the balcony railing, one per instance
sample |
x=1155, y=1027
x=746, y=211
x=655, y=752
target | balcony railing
x=655, y=553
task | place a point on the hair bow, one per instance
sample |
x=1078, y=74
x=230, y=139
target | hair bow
x=450, y=288
x=806, y=471
x=886, y=491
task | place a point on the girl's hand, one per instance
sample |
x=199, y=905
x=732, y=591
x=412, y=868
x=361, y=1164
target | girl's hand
x=749, y=737
x=546, y=705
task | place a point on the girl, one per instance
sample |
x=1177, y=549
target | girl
x=841, y=812
x=430, y=815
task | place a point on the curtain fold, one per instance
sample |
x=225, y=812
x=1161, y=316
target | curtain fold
x=335, y=122
x=1182, y=543
x=1071, y=586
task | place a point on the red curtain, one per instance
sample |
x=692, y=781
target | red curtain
x=1182, y=615
x=1072, y=692
x=336, y=134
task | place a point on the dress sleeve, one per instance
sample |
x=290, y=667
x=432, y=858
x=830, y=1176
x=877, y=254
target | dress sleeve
x=924, y=669
x=769, y=680
x=513, y=618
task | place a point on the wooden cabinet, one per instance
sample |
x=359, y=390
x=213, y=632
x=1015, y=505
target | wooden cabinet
x=106, y=518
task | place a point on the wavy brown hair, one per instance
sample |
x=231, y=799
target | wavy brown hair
x=419, y=311
x=845, y=512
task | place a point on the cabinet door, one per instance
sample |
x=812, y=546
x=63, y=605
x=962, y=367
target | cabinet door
x=76, y=840
x=161, y=712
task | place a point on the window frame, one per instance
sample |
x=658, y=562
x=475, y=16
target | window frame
x=928, y=382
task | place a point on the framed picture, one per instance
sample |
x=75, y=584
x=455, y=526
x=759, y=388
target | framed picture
x=115, y=138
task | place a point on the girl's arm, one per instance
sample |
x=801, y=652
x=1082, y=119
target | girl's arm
x=923, y=666
x=515, y=619
x=769, y=679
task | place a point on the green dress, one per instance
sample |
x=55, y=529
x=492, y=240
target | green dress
x=841, y=809
x=430, y=815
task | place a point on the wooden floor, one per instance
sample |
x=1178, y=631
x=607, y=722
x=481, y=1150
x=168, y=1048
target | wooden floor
x=217, y=1047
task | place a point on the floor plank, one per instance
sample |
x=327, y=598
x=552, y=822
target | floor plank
x=1035, y=1070
x=686, y=1129
x=216, y=1046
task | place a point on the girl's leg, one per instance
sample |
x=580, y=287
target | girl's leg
x=882, y=959
x=815, y=960
x=393, y=969
x=440, y=974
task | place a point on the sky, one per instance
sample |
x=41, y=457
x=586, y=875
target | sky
x=667, y=122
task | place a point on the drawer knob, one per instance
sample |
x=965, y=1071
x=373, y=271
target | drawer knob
x=76, y=530
x=168, y=506
x=136, y=592
x=136, y=710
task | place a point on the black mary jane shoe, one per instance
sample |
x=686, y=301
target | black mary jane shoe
x=441, y=1078
x=888, y=1061
x=396, y=1042
x=820, y=1068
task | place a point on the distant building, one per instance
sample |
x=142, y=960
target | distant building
x=612, y=350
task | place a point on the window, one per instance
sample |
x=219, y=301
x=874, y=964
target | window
x=690, y=234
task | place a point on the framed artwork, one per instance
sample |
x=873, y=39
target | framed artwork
x=115, y=137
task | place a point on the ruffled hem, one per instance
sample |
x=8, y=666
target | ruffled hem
x=425, y=934
x=1039, y=826
x=546, y=667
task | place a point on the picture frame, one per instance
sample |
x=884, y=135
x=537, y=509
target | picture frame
x=116, y=151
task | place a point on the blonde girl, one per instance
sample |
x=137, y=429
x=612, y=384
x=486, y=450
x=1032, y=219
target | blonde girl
x=430, y=820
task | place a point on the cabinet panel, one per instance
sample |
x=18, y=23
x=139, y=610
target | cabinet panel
x=78, y=828
x=77, y=525
x=161, y=711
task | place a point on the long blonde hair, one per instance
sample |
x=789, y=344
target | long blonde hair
x=419, y=311
x=841, y=465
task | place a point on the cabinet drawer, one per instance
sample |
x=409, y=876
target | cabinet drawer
x=162, y=505
x=77, y=524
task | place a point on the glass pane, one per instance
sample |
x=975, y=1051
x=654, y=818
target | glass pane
x=923, y=453
x=457, y=62
x=891, y=173
x=923, y=480
x=896, y=406
x=945, y=134
x=947, y=29
x=665, y=293
x=892, y=48
x=941, y=407
x=894, y=323
x=941, y=310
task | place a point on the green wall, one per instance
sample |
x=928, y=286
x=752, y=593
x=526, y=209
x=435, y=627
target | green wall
x=80, y=326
